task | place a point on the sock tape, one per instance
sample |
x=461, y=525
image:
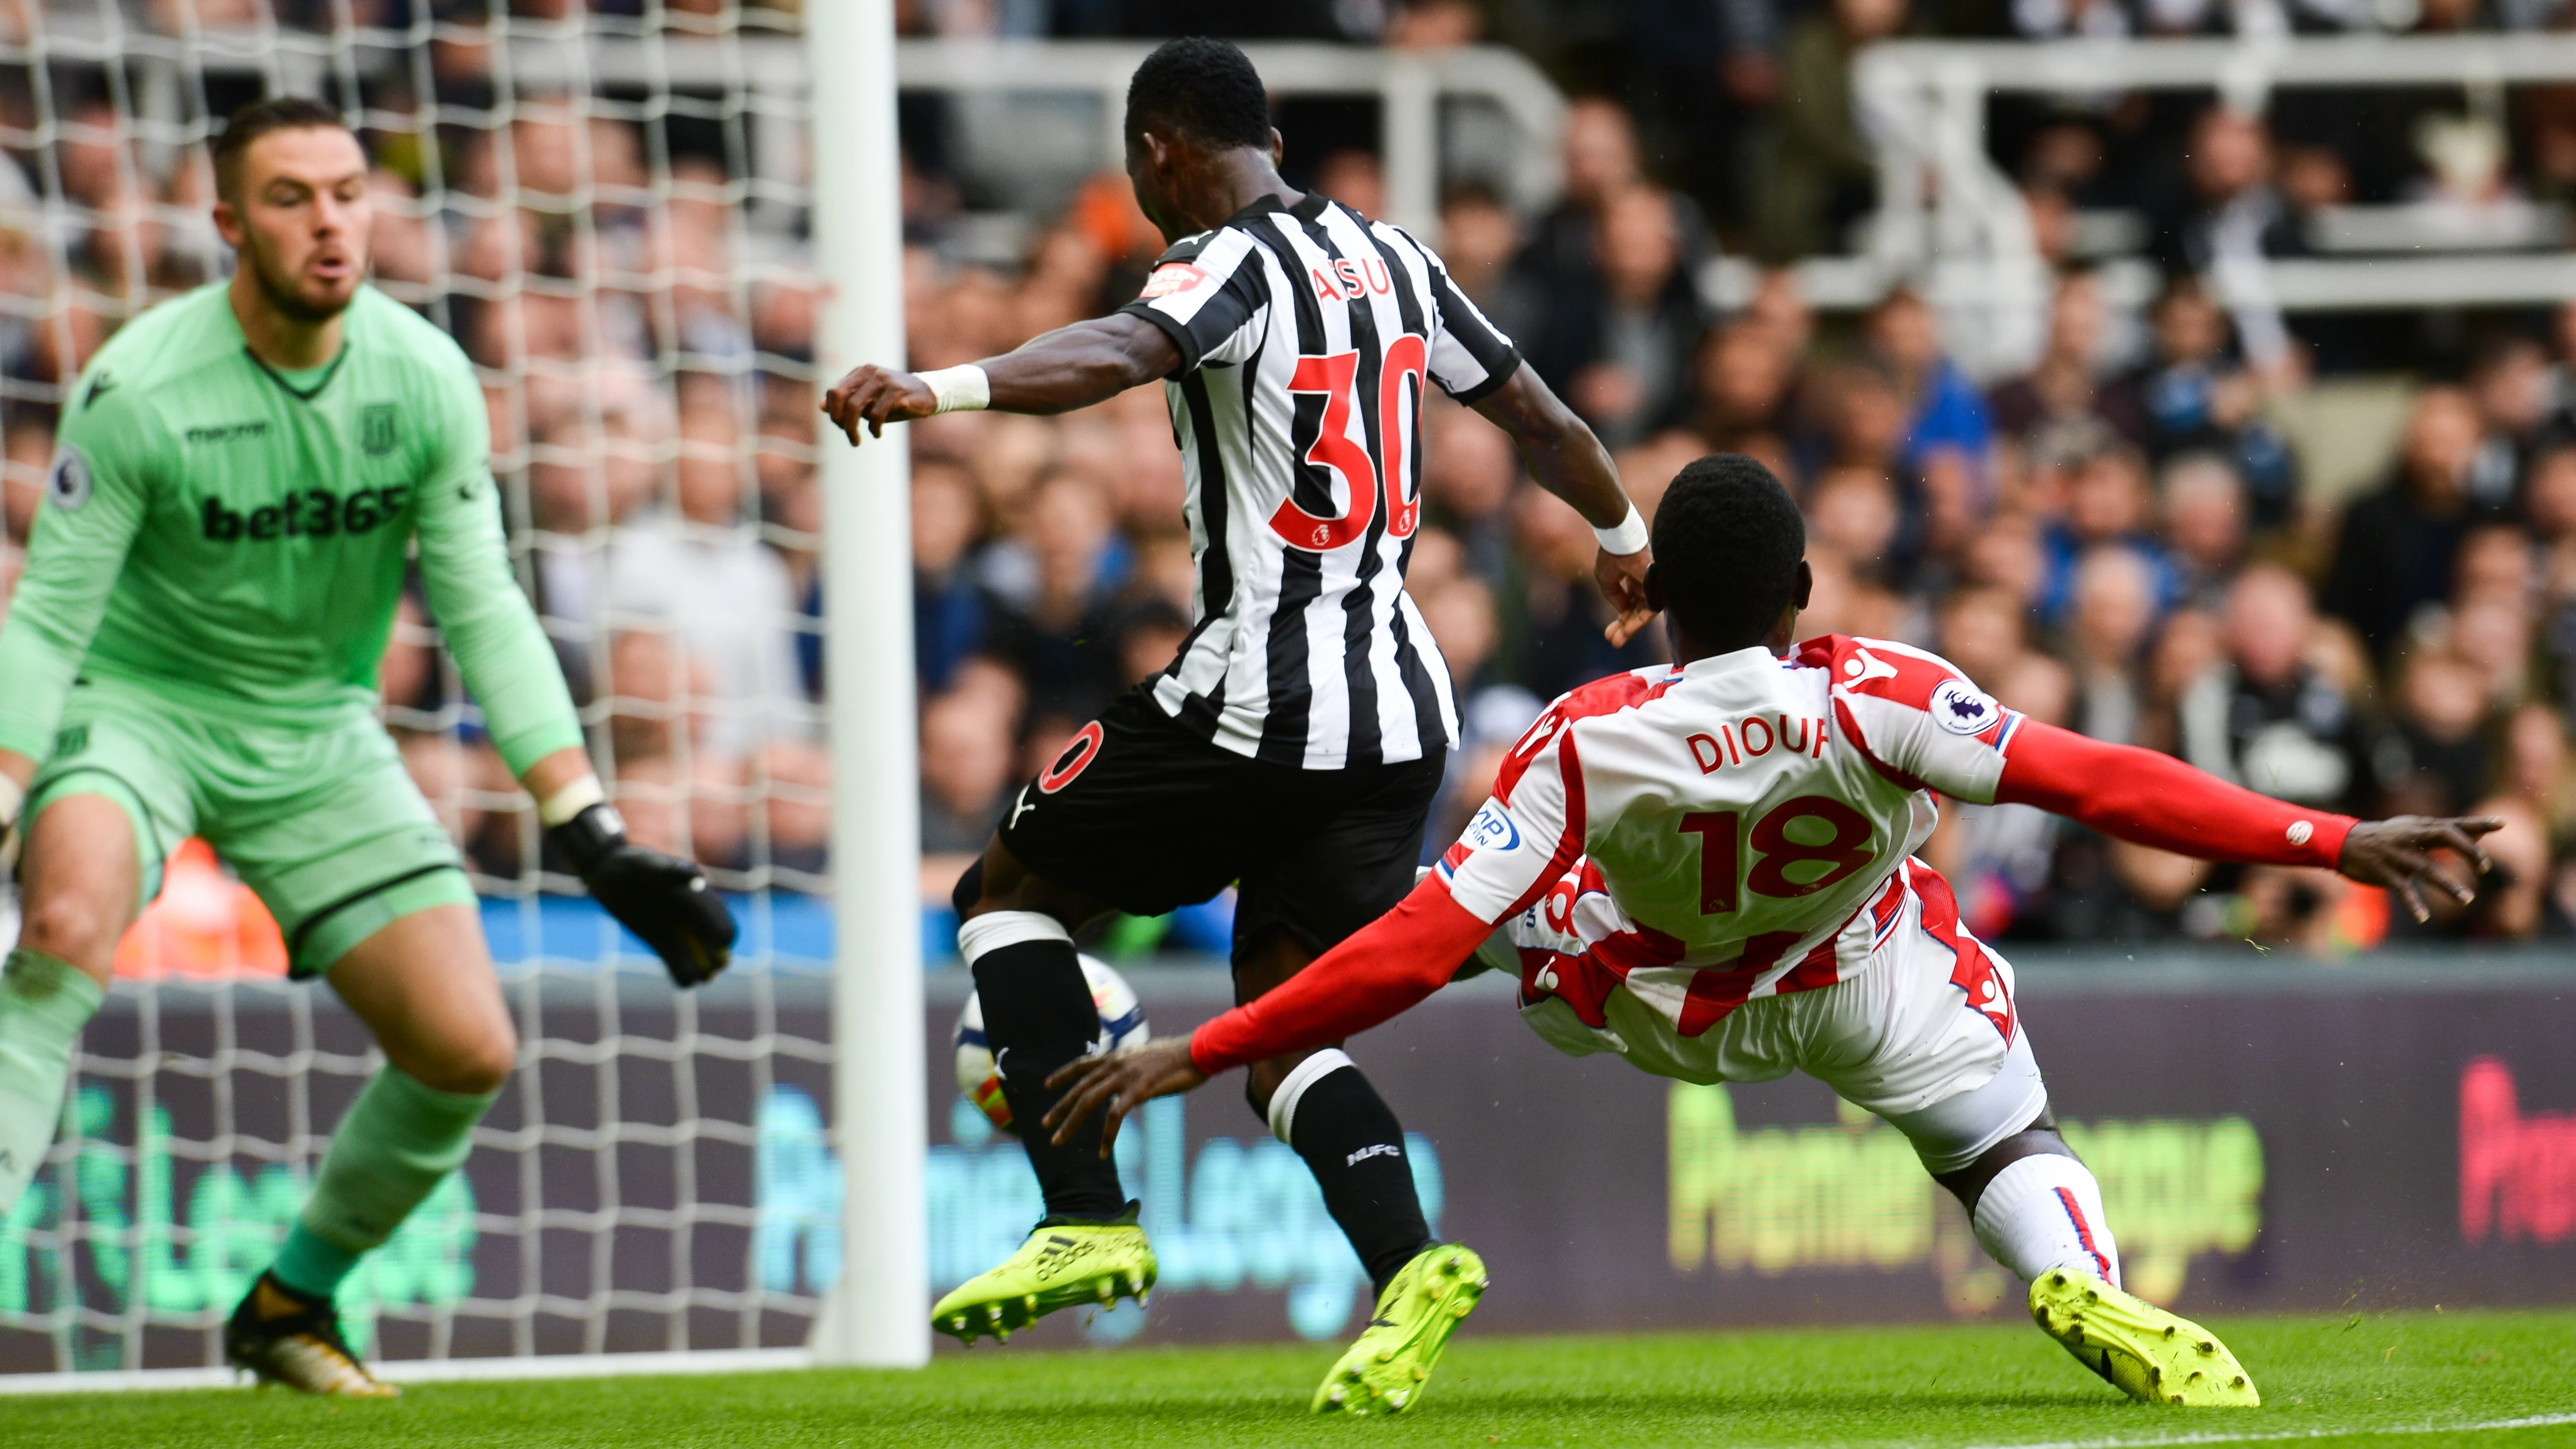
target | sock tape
x=1283, y=1103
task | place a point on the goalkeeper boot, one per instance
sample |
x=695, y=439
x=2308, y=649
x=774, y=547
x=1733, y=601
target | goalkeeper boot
x=2143, y=1351
x=291, y=1338
x=1383, y=1373
x=1062, y=1265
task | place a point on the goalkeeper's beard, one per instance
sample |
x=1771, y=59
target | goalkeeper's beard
x=281, y=294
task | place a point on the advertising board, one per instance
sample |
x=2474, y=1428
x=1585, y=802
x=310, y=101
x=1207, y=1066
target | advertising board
x=2268, y=1138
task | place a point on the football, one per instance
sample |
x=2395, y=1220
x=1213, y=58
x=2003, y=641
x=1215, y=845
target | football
x=1122, y=1023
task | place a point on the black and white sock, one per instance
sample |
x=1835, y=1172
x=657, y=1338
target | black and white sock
x=1351, y=1141
x=1038, y=1015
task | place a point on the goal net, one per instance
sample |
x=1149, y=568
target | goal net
x=603, y=201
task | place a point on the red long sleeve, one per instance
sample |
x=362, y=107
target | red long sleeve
x=2152, y=799
x=1395, y=962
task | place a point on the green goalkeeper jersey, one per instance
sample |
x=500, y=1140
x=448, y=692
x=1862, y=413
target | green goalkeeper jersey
x=234, y=540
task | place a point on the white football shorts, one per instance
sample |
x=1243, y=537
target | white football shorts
x=1895, y=1037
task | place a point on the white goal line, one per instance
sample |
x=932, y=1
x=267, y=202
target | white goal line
x=2350, y=1431
x=777, y=1360
x=441, y=1370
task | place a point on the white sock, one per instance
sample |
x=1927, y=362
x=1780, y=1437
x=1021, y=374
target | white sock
x=2045, y=1212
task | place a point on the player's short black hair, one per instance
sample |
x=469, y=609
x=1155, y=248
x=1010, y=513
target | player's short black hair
x=261, y=118
x=1205, y=89
x=1727, y=542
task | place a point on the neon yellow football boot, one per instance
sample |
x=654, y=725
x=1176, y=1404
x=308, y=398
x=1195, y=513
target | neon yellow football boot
x=1062, y=1265
x=2145, y=1352
x=1383, y=1372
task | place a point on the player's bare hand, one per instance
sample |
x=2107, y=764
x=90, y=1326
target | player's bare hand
x=1117, y=1084
x=2397, y=853
x=1622, y=577
x=872, y=396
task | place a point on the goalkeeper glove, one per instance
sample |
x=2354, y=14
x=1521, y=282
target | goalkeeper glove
x=664, y=900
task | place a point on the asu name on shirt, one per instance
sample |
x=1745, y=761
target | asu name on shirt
x=1351, y=280
x=1307, y=335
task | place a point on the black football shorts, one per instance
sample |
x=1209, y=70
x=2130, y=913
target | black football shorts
x=1139, y=813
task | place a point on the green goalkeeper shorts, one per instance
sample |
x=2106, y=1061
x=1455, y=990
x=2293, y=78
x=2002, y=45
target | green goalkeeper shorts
x=320, y=819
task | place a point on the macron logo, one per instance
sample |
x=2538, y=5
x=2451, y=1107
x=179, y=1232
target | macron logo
x=1382, y=1149
x=1863, y=666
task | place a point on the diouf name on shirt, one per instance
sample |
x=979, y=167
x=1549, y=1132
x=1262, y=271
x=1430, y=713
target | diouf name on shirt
x=1755, y=736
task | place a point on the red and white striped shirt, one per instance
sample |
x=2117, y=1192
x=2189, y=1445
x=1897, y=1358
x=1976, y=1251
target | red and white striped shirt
x=1738, y=828
x=1741, y=815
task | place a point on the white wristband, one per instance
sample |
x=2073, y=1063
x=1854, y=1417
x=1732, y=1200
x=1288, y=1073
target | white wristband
x=1628, y=537
x=960, y=389
x=12, y=795
x=570, y=801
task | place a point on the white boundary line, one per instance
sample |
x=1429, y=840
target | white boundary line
x=2535, y=1421
x=440, y=1370
x=776, y=1360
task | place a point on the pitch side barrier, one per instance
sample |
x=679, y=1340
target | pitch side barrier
x=658, y=1183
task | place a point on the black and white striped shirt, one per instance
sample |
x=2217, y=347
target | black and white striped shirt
x=1306, y=333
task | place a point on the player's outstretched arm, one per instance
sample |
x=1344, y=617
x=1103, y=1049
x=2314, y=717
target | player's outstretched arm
x=2155, y=800
x=1392, y=965
x=502, y=652
x=96, y=495
x=1119, y=1083
x=1057, y=372
x=1568, y=461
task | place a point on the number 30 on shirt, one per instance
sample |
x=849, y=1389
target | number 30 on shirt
x=1333, y=449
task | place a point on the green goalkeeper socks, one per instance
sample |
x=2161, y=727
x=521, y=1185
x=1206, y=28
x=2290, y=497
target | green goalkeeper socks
x=44, y=1003
x=397, y=1142
x=312, y=1265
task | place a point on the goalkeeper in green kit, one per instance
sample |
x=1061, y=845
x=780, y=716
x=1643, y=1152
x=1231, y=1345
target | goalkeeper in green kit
x=211, y=580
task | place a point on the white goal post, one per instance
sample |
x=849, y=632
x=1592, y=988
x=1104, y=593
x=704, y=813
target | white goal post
x=878, y=1313
x=657, y=241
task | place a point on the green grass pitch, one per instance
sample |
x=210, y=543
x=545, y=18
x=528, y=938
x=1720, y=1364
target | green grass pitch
x=2417, y=1379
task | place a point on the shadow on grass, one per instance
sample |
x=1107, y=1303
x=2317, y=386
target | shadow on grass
x=1768, y=1401
x=1266, y=1411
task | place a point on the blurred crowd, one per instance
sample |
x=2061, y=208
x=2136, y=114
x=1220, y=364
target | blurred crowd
x=2119, y=541
x=2124, y=540
x=1746, y=108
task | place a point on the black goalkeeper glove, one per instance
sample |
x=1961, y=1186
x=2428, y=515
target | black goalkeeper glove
x=661, y=898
